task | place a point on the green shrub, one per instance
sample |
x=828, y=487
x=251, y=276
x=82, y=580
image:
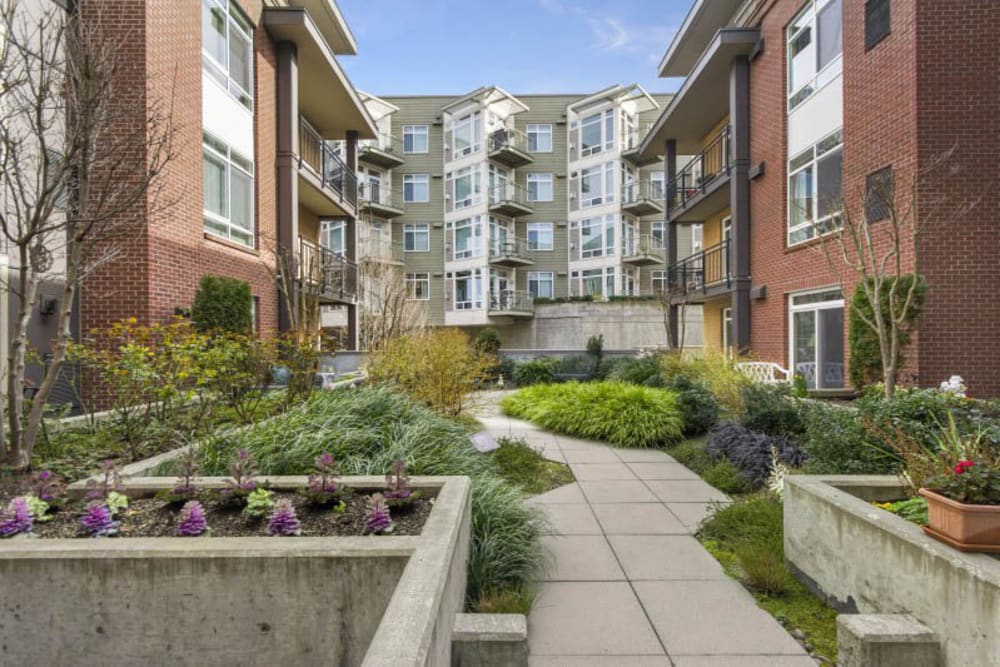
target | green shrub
x=223, y=304
x=715, y=371
x=620, y=414
x=637, y=370
x=752, y=518
x=865, y=358
x=488, y=341
x=366, y=430
x=595, y=347
x=724, y=476
x=692, y=454
x=837, y=443
x=697, y=403
x=770, y=409
x=578, y=364
x=763, y=566
x=537, y=371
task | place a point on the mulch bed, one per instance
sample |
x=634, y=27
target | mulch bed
x=152, y=517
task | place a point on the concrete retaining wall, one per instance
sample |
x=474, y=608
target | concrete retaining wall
x=377, y=600
x=866, y=560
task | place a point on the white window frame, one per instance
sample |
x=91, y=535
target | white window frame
x=658, y=234
x=413, y=283
x=536, y=131
x=475, y=249
x=475, y=191
x=414, y=181
x=474, y=120
x=238, y=26
x=606, y=177
x=325, y=229
x=606, y=119
x=657, y=185
x=540, y=179
x=658, y=282
x=416, y=131
x=475, y=276
x=807, y=21
x=822, y=150
x=416, y=230
x=222, y=225
x=832, y=303
x=540, y=230
x=539, y=278
x=606, y=226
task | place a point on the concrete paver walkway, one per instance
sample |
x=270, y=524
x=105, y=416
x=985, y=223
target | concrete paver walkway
x=629, y=584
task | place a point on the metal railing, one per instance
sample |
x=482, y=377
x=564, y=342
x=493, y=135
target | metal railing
x=380, y=249
x=375, y=193
x=510, y=247
x=317, y=154
x=509, y=192
x=642, y=245
x=511, y=301
x=325, y=272
x=383, y=142
x=508, y=137
x=692, y=181
x=632, y=139
x=644, y=190
x=710, y=267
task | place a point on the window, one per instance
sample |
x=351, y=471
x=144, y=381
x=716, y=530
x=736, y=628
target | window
x=597, y=237
x=414, y=138
x=657, y=233
x=498, y=185
x=658, y=282
x=228, y=177
x=878, y=22
x=540, y=236
x=468, y=238
x=591, y=280
x=416, y=188
x=817, y=338
x=815, y=45
x=467, y=134
x=227, y=48
x=541, y=284
x=597, y=133
x=597, y=185
x=539, y=187
x=878, y=195
x=465, y=187
x=468, y=290
x=656, y=185
x=418, y=286
x=332, y=236
x=727, y=328
x=539, y=138
x=815, y=189
x=597, y=283
x=416, y=237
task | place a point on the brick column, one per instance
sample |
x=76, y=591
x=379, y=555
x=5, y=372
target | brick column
x=287, y=164
x=739, y=204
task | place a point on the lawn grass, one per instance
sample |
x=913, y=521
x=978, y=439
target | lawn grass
x=521, y=465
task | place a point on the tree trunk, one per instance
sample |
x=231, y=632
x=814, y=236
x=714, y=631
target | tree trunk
x=19, y=453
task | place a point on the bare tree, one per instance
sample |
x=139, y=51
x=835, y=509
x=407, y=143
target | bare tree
x=301, y=278
x=388, y=307
x=81, y=174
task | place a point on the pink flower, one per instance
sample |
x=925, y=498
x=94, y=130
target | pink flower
x=963, y=466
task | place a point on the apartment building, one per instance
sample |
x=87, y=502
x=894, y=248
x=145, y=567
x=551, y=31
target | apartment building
x=259, y=101
x=497, y=200
x=793, y=110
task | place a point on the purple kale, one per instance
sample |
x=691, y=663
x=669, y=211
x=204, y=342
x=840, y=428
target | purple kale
x=97, y=521
x=186, y=489
x=241, y=470
x=322, y=488
x=111, y=480
x=16, y=518
x=283, y=522
x=377, y=519
x=398, y=493
x=192, y=520
x=46, y=487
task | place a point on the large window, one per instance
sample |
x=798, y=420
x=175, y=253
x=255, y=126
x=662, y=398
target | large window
x=468, y=290
x=414, y=138
x=540, y=138
x=541, y=284
x=597, y=133
x=467, y=134
x=657, y=189
x=597, y=236
x=539, y=187
x=658, y=282
x=465, y=187
x=817, y=338
x=227, y=48
x=658, y=234
x=597, y=185
x=332, y=236
x=228, y=177
x=468, y=238
x=416, y=188
x=416, y=237
x=815, y=46
x=540, y=236
x=597, y=283
x=418, y=286
x=815, y=189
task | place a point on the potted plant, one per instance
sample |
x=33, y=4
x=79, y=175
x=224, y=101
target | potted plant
x=963, y=506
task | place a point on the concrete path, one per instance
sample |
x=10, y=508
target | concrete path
x=629, y=584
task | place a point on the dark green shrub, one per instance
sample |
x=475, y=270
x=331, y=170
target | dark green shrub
x=595, y=347
x=698, y=404
x=637, y=370
x=537, y=371
x=488, y=341
x=763, y=566
x=753, y=518
x=578, y=364
x=838, y=443
x=750, y=451
x=506, y=369
x=223, y=304
x=770, y=409
x=865, y=358
x=726, y=477
x=692, y=454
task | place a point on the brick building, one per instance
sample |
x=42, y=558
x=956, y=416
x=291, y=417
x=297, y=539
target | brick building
x=794, y=110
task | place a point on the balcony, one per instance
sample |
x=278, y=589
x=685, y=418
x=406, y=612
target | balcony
x=377, y=200
x=511, y=303
x=701, y=276
x=631, y=144
x=510, y=251
x=510, y=200
x=329, y=187
x=384, y=151
x=380, y=251
x=510, y=147
x=701, y=188
x=642, y=198
x=325, y=274
x=643, y=250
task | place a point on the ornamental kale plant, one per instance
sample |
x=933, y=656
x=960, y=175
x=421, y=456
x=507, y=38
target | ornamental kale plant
x=39, y=509
x=16, y=518
x=283, y=522
x=97, y=521
x=111, y=480
x=322, y=489
x=116, y=502
x=397, y=492
x=377, y=520
x=192, y=520
x=186, y=488
x=260, y=502
x=47, y=489
x=241, y=470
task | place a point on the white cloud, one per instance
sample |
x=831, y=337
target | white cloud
x=611, y=33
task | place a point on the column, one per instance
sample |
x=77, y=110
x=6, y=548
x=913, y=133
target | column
x=351, y=239
x=287, y=170
x=739, y=114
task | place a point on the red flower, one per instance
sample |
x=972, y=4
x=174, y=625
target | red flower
x=962, y=466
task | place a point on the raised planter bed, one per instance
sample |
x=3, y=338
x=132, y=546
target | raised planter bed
x=863, y=559
x=374, y=600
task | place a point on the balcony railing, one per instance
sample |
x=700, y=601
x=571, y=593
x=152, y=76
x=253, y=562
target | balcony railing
x=384, y=151
x=377, y=196
x=510, y=199
x=380, y=250
x=511, y=302
x=631, y=141
x=693, y=180
x=643, y=249
x=643, y=197
x=510, y=251
x=703, y=270
x=325, y=273
x=320, y=158
x=509, y=146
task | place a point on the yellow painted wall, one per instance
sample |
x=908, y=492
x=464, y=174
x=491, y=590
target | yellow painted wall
x=711, y=231
x=712, y=316
x=707, y=139
x=308, y=225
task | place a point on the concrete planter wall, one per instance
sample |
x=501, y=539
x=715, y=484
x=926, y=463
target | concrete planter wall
x=866, y=560
x=377, y=600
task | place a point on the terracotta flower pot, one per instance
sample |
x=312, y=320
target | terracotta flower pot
x=964, y=527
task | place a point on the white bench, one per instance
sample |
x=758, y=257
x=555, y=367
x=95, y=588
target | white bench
x=765, y=372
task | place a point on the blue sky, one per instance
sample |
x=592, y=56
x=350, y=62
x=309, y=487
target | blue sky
x=454, y=46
